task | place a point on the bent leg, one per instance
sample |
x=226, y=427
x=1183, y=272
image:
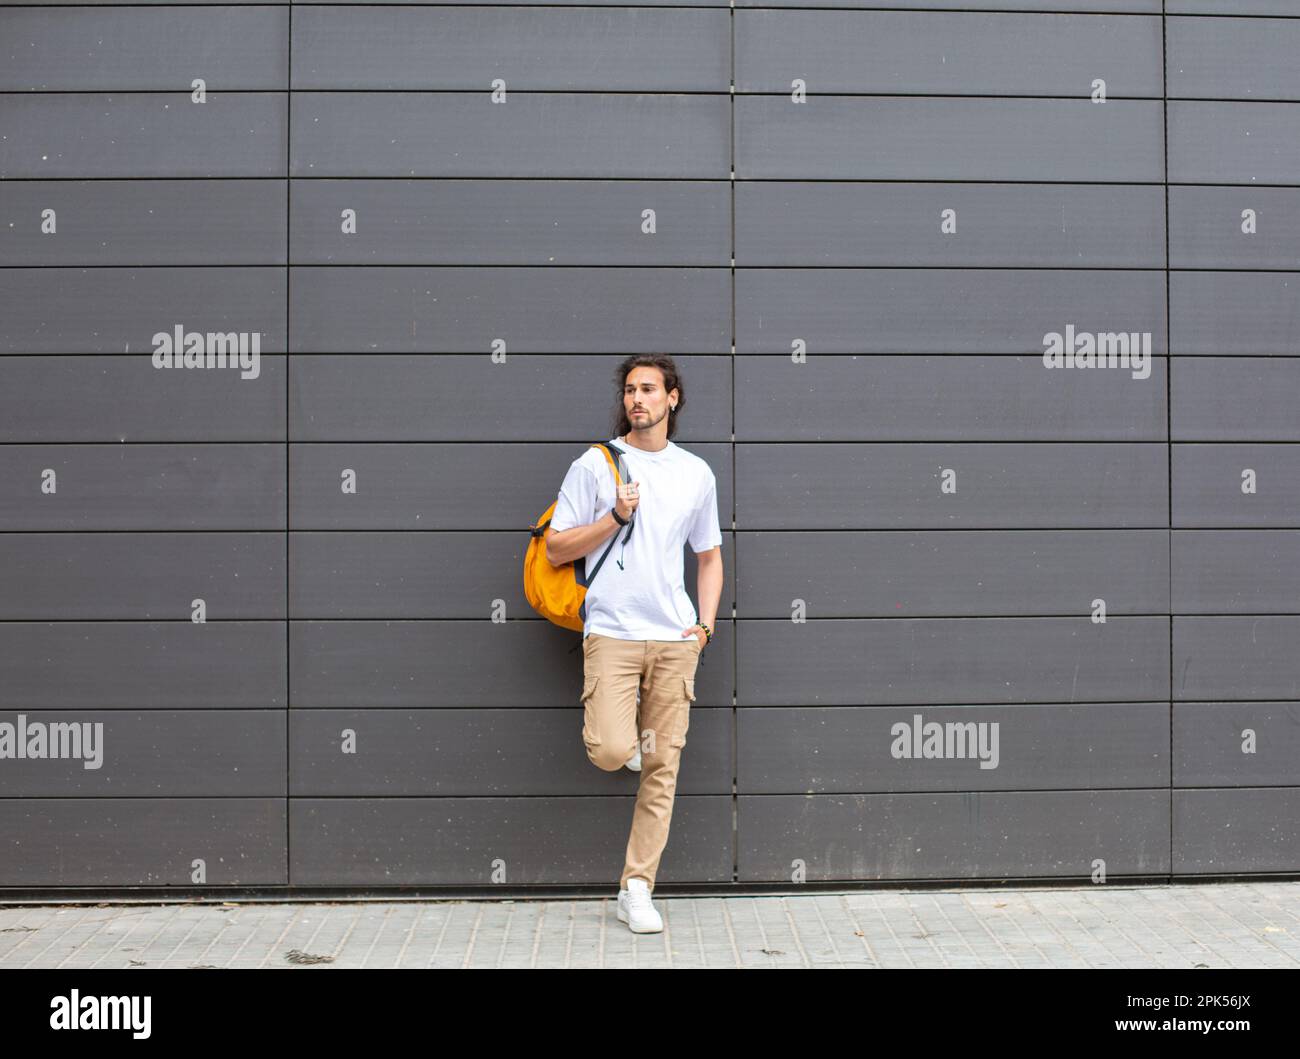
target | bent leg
x=611, y=676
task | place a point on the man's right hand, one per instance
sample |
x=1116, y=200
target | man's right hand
x=628, y=499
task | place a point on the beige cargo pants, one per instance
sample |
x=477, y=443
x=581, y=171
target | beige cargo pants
x=614, y=671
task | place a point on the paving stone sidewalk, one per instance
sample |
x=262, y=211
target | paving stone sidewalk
x=1242, y=924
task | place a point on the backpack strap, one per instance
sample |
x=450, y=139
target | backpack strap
x=610, y=450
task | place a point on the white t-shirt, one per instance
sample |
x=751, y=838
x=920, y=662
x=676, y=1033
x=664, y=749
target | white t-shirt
x=646, y=598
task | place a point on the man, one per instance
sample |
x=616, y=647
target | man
x=641, y=634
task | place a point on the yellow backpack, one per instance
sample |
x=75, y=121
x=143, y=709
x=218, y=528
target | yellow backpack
x=559, y=593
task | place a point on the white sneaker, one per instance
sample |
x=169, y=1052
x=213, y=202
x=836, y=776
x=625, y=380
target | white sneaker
x=636, y=909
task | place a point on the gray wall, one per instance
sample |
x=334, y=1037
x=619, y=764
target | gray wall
x=397, y=612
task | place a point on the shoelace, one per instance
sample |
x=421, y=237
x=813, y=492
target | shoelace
x=638, y=899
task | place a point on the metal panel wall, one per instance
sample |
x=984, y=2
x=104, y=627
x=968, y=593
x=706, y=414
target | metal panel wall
x=871, y=224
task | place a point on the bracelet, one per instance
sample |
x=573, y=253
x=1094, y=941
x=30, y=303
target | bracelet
x=620, y=521
x=708, y=634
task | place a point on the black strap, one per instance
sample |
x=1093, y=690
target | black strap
x=626, y=474
x=622, y=474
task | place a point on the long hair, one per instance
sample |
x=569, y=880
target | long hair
x=672, y=381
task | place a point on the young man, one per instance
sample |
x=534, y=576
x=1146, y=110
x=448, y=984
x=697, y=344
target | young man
x=641, y=634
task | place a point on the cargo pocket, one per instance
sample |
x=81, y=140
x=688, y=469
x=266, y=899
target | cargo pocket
x=590, y=729
x=684, y=712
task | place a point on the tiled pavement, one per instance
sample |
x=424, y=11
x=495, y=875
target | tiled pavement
x=1239, y=924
